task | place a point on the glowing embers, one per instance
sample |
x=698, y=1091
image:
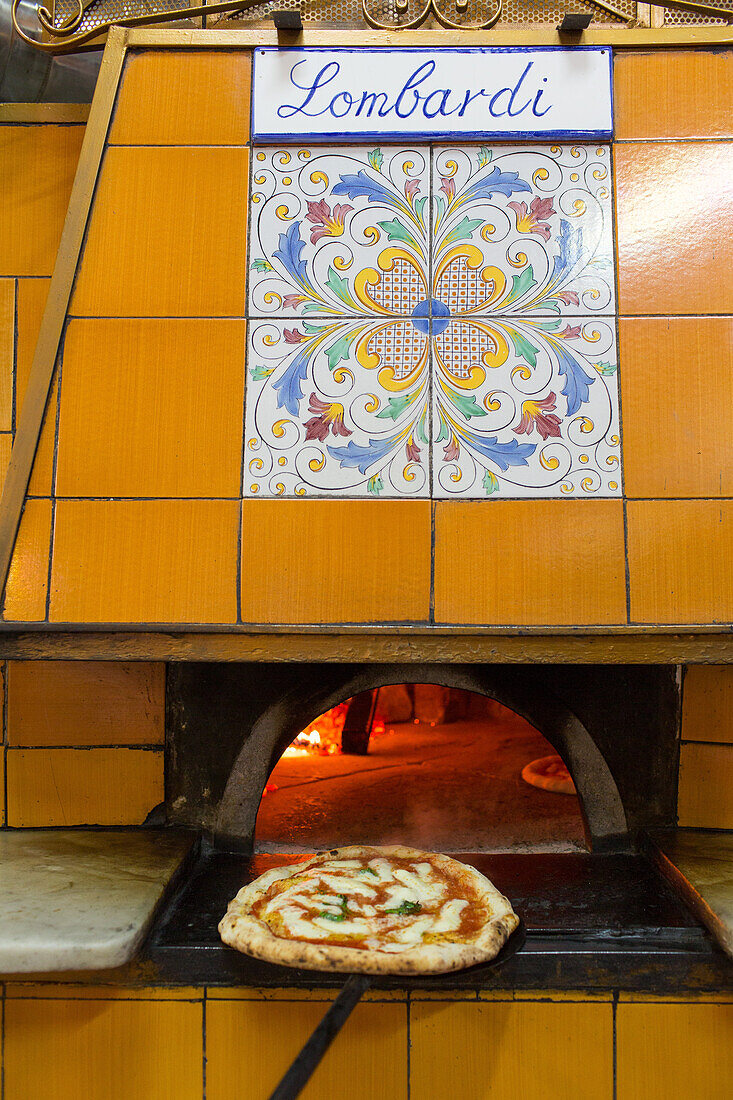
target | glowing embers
x=432, y=322
x=447, y=775
x=323, y=737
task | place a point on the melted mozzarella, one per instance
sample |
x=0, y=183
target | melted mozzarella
x=293, y=919
x=382, y=869
x=281, y=900
x=396, y=895
x=413, y=932
x=343, y=928
x=449, y=918
x=343, y=884
x=424, y=891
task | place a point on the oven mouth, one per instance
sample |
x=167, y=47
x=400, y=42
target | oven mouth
x=421, y=765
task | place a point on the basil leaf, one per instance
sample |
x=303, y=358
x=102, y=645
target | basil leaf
x=335, y=917
x=406, y=908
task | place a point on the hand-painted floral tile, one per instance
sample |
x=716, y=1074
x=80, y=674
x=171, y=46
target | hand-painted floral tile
x=522, y=230
x=471, y=282
x=339, y=231
x=525, y=407
x=337, y=405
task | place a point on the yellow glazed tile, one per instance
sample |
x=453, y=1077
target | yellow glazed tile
x=679, y=561
x=658, y=271
x=32, y=295
x=687, y=998
x=27, y=586
x=103, y=1050
x=533, y=562
x=171, y=97
x=41, y=482
x=669, y=1051
x=160, y=561
x=705, y=798
x=39, y=164
x=7, y=352
x=665, y=369
x=335, y=561
x=457, y=995
x=554, y=995
x=254, y=993
x=6, y=446
x=657, y=94
x=166, y=236
x=85, y=703
x=56, y=990
x=237, y=993
x=254, y=1043
x=153, y=423
x=707, y=704
x=82, y=786
x=489, y=1051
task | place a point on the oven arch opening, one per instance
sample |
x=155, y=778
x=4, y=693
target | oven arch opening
x=275, y=729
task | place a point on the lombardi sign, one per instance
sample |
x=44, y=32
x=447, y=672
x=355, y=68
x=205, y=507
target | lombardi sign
x=422, y=93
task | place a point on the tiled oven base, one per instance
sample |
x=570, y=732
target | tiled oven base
x=593, y=922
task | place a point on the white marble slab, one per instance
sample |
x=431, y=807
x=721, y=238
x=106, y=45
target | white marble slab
x=700, y=863
x=80, y=899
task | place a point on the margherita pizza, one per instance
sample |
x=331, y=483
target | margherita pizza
x=371, y=910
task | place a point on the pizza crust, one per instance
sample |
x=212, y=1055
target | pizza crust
x=241, y=929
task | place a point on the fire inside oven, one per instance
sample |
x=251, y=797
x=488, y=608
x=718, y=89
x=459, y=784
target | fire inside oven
x=268, y=762
x=436, y=768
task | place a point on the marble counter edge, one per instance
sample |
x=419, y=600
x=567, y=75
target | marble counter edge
x=694, y=861
x=121, y=876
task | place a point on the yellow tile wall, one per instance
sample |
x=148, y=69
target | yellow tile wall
x=501, y=562
x=673, y=1050
x=82, y=742
x=64, y=787
x=39, y=162
x=57, y=703
x=104, y=1043
x=705, y=798
x=158, y=266
x=167, y=234
x=172, y=97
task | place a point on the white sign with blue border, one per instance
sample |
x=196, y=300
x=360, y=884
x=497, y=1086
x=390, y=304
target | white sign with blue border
x=396, y=94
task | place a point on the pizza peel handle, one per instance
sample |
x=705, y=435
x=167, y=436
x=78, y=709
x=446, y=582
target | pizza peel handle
x=302, y=1068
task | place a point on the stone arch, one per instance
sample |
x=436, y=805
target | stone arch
x=279, y=724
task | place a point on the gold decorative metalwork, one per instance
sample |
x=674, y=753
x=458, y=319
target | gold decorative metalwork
x=430, y=7
x=404, y=21
x=67, y=37
x=83, y=24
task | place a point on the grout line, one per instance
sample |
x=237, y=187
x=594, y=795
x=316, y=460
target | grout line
x=54, y=464
x=2, y=1042
x=14, y=364
x=408, y=1010
x=614, y=1007
x=203, y=1044
x=242, y=465
x=712, y=744
x=616, y=288
x=6, y=671
x=86, y=748
x=332, y=494
x=678, y=746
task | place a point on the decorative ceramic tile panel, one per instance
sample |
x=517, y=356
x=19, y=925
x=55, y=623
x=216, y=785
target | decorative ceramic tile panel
x=536, y=416
x=432, y=322
x=342, y=231
x=337, y=406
